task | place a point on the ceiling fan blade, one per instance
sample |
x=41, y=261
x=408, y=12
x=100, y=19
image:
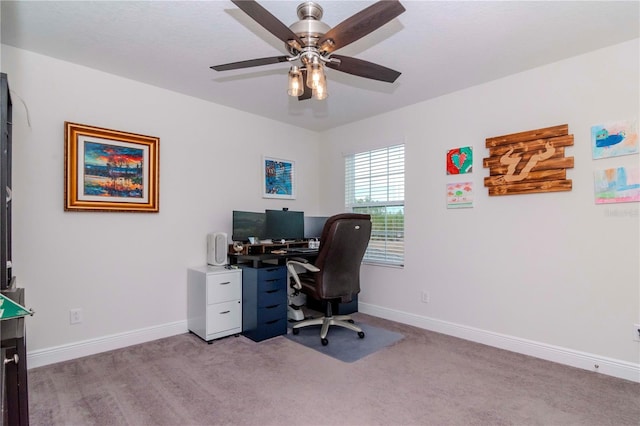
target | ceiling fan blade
x=363, y=69
x=308, y=92
x=263, y=17
x=250, y=63
x=360, y=24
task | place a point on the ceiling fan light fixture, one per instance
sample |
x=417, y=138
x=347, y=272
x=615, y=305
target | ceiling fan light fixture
x=315, y=72
x=320, y=91
x=296, y=87
x=313, y=42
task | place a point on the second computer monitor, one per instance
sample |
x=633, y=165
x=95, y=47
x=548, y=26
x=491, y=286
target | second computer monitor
x=285, y=225
x=313, y=226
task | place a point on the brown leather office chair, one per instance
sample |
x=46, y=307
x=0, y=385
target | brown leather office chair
x=335, y=274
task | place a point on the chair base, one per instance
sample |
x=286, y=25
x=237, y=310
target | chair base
x=326, y=322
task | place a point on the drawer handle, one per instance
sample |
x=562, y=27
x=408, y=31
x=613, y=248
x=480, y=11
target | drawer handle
x=272, y=269
x=270, y=281
x=225, y=283
x=272, y=291
x=272, y=321
x=224, y=312
x=271, y=307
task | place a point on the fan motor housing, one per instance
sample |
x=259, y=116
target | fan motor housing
x=309, y=28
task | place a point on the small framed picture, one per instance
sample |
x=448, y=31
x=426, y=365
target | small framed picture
x=460, y=160
x=110, y=170
x=278, y=178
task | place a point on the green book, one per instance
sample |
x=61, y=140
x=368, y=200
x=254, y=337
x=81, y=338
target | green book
x=10, y=309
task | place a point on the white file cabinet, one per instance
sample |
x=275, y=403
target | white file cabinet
x=214, y=301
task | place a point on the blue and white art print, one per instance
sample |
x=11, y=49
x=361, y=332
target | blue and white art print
x=278, y=178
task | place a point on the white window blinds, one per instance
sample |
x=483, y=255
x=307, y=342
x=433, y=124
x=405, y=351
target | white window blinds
x=374, y=184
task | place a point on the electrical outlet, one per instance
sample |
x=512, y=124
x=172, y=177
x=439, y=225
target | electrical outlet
x=424, y=297
x=636, y=332
x=75, y=316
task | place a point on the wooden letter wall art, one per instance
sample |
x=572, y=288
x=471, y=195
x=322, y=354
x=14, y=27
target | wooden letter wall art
x=529, y=162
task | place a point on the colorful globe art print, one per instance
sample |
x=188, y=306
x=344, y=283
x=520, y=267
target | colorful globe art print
x=278, y=178
x=460, y=160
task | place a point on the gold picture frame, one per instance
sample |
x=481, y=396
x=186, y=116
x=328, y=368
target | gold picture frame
x=110, y=170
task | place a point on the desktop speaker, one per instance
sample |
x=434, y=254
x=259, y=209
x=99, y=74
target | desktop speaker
x=217, y=249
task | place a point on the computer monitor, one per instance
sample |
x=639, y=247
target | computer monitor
x=285, y=225
x=313, y=226
x=248, y=224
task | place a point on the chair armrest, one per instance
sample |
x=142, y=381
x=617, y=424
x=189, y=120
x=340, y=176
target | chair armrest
x=291, y=264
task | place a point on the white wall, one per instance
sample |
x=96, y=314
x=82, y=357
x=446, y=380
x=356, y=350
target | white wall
x=127, y=271
x=552, y=268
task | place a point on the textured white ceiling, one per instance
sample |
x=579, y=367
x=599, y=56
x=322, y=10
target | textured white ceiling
x=439, y=46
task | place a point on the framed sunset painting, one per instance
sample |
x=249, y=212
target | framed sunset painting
x=110, y=170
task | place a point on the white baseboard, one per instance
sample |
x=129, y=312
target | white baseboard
x=586, y=361
x=41, y=357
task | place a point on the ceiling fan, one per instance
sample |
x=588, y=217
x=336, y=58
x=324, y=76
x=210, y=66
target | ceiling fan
x=311, y=43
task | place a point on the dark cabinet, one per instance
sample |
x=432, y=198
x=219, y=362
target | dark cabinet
x=5, y=183
x=15, y=408
x=13, y=374
x=264, y=302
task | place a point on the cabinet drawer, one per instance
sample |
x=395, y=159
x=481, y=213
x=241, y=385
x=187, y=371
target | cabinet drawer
x=272, y=297
x=270, y=313
x=274, y=273
x=272, y=328
x=224, y=287
x=272, y=284
x=224, y=316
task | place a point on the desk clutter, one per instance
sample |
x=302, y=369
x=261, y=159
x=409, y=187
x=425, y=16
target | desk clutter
x=275, y=248
x=244, y=287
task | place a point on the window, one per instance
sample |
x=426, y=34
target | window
x=374, y=184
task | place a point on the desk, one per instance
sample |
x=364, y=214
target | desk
x=260, y=260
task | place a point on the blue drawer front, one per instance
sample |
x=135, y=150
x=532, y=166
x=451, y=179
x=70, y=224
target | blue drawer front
x=270, y=313
x=274, y=273
x=269, y=329
x=272, y=297
x=272, y=284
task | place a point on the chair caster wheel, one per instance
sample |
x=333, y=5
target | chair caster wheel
x=325, y=342
x=361, y=334
x=295, y=331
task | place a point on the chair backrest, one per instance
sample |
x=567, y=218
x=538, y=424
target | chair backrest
x=343, y=243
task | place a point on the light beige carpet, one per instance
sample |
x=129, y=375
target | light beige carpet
x=424, y=379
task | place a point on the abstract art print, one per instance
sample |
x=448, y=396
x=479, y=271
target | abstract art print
x=278, y=178
x=460, y=195
x=110, y=170
x=614, y=139
x=617, y=185
x=460, y=160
